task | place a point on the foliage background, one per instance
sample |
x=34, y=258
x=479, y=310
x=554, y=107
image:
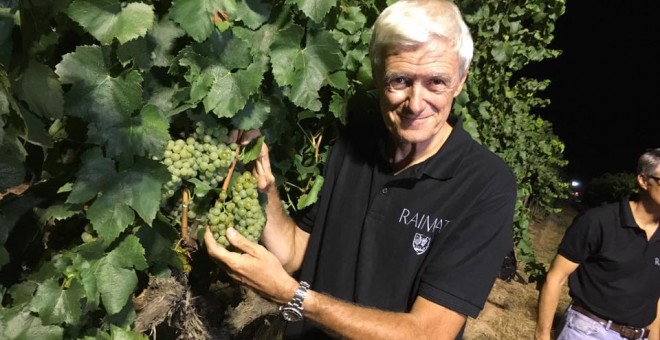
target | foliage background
x=91, y=90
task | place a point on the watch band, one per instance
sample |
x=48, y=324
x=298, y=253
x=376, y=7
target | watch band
x=292, y=310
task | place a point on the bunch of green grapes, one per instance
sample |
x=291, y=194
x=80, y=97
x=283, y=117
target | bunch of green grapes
x=204, y=156
x=239, y=209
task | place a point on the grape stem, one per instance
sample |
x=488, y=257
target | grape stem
x=184, y=214
x=230, y=172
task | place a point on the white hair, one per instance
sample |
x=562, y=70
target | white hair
x=411, y=23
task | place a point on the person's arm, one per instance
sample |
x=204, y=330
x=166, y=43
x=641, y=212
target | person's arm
x=655, y=326
x=260, y=270
x=560, y=269
x=426, y=320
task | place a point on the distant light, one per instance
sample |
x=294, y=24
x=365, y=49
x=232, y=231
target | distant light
x=575, y=184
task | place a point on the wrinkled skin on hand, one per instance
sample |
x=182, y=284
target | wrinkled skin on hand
x=253, y=266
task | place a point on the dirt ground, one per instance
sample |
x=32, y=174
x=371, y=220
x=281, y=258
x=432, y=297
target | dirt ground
x=511, y=309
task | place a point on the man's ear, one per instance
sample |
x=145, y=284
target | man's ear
x=642, y=181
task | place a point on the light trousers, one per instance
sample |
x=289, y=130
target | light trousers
x=577, y=326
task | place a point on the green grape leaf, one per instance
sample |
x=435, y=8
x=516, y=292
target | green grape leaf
x=18, y=323
x=352, y=20
x=48, y=270
x=260, y=41
x=305, y=69
x=143, y=135
x=165, y=98
x=155, y=49
x=502, y=52
x=252, y=150
x=35, y=130
x=88, y=278
x=226, y=50
x=40, y=88
x=56, y=305
x=252, y=116
x=118, y=333
x=275, y=132
x=201, y=187
x=222, y=82
x=164, y=36
x=285, y=48
x=22, y=292
x=196, y=17
x=12, y=171
x=231, y=90
x=108, y=19
x=116, y=285
x=96, y=96
x=138, y=52
x=311, y=196
x=116, y=278
x=253, y=13
x=96, y=171
x=338, y=80
x=124, y=318
x=128, y=254
x=139, y=188
x=58, y=212
x=315, y=9
x=157, y=242
x=338, y=106
x=110, y=217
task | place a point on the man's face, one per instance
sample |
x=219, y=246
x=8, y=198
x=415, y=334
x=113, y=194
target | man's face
x=417, y=88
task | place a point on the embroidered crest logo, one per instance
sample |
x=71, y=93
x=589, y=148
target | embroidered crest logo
x=421, y=243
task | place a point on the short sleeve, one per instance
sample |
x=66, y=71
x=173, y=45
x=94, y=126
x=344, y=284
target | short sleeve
x=580, y=240
x=461, y=276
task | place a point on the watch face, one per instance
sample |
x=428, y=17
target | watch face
x=291, y=314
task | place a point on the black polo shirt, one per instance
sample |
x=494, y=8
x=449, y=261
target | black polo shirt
x=439, y=229
x=618, y=277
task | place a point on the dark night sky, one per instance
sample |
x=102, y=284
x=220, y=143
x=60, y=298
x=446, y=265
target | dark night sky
x=604, y=89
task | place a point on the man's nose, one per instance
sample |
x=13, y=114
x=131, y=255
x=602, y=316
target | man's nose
x=416, y=102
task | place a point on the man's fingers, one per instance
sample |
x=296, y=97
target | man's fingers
x=239, y=241
x=233, y=136
x=247, y=136
x=213, y=248
x=242, y=137
x=264, y=158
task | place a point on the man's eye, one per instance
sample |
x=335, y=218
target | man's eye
x=437, y=82
x=398, y=82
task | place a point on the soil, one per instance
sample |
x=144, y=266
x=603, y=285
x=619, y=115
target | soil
x=511, y=309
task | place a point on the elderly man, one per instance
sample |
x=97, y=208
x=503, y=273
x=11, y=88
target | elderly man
x=414, y=218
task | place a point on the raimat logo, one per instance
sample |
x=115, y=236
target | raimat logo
x=421, y=243
x=422, y=221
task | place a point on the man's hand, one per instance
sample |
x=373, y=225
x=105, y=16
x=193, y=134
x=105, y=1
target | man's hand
x=261, y=168
x=253, y=266
x=266, y=180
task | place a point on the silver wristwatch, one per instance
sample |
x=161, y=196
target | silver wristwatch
x=293, y=310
